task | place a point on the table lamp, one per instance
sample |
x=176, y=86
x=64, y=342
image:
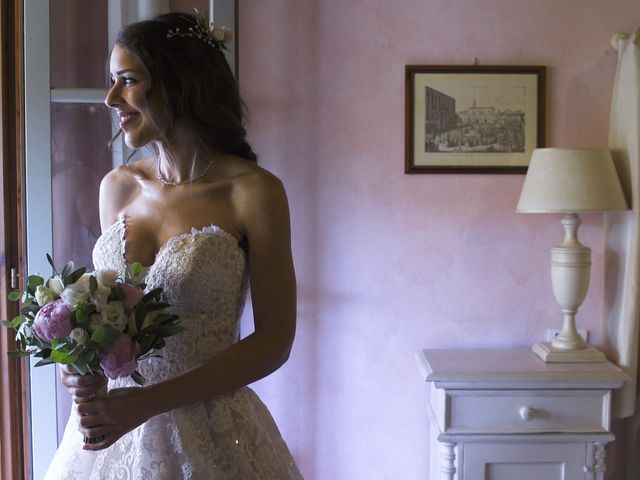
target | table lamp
x=569, y=181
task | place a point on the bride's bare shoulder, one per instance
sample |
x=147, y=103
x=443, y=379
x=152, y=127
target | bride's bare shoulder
x=257, y=195
x=119, y=187
x=249, y=179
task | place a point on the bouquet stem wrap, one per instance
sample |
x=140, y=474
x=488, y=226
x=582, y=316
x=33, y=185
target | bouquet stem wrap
x=99, y=395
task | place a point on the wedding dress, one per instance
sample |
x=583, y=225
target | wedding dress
x=204, y=277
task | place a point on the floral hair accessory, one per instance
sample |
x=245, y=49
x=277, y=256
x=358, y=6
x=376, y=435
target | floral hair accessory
x=217, y=37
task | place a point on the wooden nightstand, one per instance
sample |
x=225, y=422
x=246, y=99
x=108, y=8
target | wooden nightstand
x=507, y=415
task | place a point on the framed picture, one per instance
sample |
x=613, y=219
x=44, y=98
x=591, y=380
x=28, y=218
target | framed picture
x=470, y=119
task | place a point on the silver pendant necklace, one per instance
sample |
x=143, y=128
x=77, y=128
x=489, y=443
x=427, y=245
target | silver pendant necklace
x=173, y=183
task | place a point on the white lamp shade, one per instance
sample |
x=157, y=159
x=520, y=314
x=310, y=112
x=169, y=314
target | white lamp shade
x=571, y=180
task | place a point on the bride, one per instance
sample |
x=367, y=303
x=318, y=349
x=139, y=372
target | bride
x=207, y=222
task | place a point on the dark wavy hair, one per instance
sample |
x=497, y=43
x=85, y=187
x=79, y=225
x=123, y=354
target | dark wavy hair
x=195, y=80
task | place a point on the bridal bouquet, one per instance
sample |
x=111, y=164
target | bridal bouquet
x=96, y=322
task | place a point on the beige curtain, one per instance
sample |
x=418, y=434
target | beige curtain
x=622, y=242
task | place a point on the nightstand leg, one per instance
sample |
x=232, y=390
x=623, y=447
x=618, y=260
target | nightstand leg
x=597, y=460
x=599, y=465
x=448, y=456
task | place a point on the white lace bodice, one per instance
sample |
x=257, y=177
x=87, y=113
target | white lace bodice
x=203, y=274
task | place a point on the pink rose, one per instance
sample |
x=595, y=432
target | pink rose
x=132, y=295
x=52, y=321
x=120, y=360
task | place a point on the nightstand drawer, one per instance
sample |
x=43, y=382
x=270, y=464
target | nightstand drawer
x=525, y=411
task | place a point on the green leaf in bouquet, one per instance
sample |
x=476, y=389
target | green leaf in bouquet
x=158, y=320
x=31, y=308
x=105, y=335
x=73, y=349
x=73, y=318
x=86, y=355
x=60, y=355
x=168, y=319
x=15, y=295
x=149, y=354
x=116, y=294
x=74, y=276
x=141, y=313
x=86, y=362
x=82, y=314
x=93, y=284
x=43, y=353
x=15, y=323
x=92, y=369
x=132, y=327
x=68, y=268
x=157, y=306
x=53, y=266
x=22, y=340
x=136, y=269
x=146, y=343
x=34, y=281
x=35, y=341
x=139, y=379
x=44, y=361
x=81, y=368
x=154, y=295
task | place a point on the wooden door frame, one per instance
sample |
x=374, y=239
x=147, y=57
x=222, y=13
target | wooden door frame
x=14, y=418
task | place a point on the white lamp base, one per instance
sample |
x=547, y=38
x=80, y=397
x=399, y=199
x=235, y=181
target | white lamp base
x=552, y=354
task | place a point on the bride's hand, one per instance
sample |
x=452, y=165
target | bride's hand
x=120, y=412
x=81, y=387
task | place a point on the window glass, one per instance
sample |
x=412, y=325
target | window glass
x=79, y=43
x=79, y=160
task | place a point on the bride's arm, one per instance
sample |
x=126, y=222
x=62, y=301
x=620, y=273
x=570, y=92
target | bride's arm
x=263, y=215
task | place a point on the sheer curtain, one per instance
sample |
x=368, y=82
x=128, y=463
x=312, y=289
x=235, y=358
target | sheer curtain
x=622, y=253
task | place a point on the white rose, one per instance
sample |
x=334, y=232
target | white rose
x=80, y=335
x=222, y=34
x=100, y=297
x=106, y=277
x=45, y=295
x=55, y=284
x=113, y=313
x=95, y=320
x=77, y=291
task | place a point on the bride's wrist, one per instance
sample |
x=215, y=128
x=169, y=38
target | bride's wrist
x=155, y=397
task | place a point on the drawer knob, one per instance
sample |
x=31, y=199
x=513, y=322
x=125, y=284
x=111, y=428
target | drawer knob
x=527, y=414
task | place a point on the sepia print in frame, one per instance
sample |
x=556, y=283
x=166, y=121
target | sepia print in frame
x=472, y=119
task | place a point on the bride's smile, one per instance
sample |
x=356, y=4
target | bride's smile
x=139, y=107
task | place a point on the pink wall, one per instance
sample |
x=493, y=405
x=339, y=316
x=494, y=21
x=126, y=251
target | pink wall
x=390, y=263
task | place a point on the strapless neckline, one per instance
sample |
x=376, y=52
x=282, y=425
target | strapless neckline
x=119, y=227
